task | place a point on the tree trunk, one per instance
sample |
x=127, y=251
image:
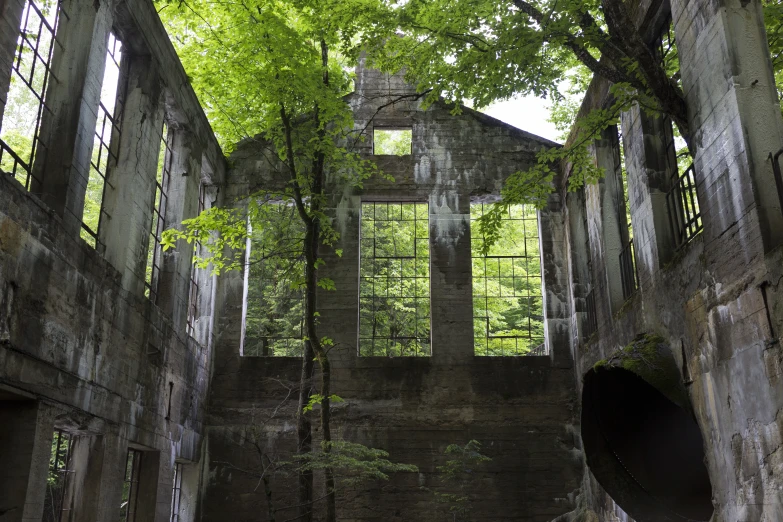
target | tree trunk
x=305, y=437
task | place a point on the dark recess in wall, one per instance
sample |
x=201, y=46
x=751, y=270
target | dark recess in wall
x=646, y=451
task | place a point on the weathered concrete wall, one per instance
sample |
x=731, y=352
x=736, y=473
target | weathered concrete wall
x=520, y=409
x=81, y=347
x=716, y=301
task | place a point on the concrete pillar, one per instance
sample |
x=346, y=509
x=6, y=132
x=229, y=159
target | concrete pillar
x=188, y=499
x=110, y=458
x=62, y=168
x=26, y=430
x=554, y=275
x=183, y=190
x=578, y=260
x=130, y=193
x=735, y=116
x=87, y=460
x=610, y=201
x=451, y=283
x=340, y=308
x=10, y=21
x=155, y=481
x=648, y=182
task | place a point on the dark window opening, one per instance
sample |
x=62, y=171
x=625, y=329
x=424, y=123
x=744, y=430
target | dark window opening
x=508, y=316
x=106, y=127
x=20, y=142
x=274, y=282
x=130, y=486
x=60, y=471
x=158, y=220
x=394, y=284
x=392, y=142
x=176, y=493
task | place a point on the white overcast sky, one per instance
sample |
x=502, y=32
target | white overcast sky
x=527, y=113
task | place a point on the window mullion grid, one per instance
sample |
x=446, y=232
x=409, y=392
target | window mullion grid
x=45, y=62
x=393, y=285
x=497, y=276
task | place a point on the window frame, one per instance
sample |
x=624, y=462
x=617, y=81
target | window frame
x=540, y=348
x=416, y=338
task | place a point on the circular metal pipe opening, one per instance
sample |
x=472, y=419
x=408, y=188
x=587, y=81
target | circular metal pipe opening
x=646, y=451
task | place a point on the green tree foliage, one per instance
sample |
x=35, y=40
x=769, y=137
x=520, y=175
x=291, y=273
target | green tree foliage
x=275, y=312
x=276, y=73
x=354, y=464
x=773, y=19
x=396, y=142
x=459, y=474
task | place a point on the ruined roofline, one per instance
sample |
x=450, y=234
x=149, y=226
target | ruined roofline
x=482, y=118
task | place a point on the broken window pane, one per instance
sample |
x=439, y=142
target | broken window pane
x=394, y=285
x=507, y=303
x=102, y=151
x=274, y=279
x=392, y=142
x=24, y=107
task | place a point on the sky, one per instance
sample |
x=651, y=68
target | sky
x=527, y=113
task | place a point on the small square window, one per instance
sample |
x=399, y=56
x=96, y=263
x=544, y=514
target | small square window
x=392, y=142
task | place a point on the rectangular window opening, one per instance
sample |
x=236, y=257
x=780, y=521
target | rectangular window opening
x=392, y=142
x=60, y=471
x=628, y=275
x=193, y=294
x=106, y=128
x=158, y=220
x=20, y=142
x=394, y=284
x=274, y=279
x=682, y=200
x=176, y=492
x=508, y=317
x=130, y=486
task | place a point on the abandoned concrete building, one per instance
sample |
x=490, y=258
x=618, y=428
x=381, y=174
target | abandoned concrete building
x=132, y=386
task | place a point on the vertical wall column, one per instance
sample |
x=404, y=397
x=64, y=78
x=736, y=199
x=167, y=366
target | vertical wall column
x=10, y=20
x=578, y=256
x=109, y=476
x=130, y=190
x=183, y=191
x=610, y=196
x=61, y=172
x=451, y=281
x=339, y=308
x=155, y=481
x=85, y=482
x=554, y=275
x=734, y=115
x=648, y=182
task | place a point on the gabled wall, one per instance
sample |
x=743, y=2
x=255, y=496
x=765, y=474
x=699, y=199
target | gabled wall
x=520, y=409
